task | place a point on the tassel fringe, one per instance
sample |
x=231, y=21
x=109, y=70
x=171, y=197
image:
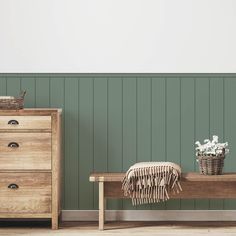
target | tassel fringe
x=151, y=183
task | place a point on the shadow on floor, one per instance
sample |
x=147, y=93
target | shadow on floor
x=112, y=224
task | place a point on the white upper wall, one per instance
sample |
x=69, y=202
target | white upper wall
x=157, y=36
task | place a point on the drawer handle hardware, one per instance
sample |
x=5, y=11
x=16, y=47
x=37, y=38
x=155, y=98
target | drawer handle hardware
x=13, y=145
x=13, y=122
x=13, y=186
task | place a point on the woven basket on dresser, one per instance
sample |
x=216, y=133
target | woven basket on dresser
x=211, y=165
x=12, y=103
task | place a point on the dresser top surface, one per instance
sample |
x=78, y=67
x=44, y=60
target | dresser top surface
x=31, y=111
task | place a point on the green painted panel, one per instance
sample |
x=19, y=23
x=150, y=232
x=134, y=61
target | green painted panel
x=71, y=174
x=57, y=100
x=13, y=86
x=129, y=128
x=112, y=121
x=173, y=128
x=187, y=152
x=129, y=123
x=29, y=85
x=230, y=130
x=115, y=132
x=158, y=122
x=57, y=92
x=144, y=143
x=42, y=93
x=3, y=86
x=85, y=142
x=217, y=121
x=100, y=129
x=143, y=119
x=202, y=121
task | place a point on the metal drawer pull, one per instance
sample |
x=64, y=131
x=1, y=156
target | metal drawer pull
x=13, y=145
x=13, y=122
x=13, y=186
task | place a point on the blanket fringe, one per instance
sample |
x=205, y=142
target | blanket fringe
x=151, y=184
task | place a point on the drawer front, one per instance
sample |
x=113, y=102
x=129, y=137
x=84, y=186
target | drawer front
x=25, y=122
x=25, y=151
x=25, y=193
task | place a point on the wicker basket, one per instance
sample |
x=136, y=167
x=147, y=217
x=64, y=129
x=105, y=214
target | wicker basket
x=211, y=165
x=12, y=103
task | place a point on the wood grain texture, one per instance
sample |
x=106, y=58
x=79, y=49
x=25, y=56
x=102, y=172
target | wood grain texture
x=30, y=112
x=34, y=151
x=25, y=215
x=185, y=177
x=32, y=196
x=31, y=164
x=206, y=187
x=25, y=122
x=191, y=190
x=56, y=168
x=57, y=95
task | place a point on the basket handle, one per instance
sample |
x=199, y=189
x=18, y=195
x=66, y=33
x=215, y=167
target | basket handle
x=22, y=94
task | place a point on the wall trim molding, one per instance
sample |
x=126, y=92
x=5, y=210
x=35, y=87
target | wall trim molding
x=151, y=215
x=56, y=75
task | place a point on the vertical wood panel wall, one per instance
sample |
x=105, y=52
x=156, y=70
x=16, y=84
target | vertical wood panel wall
x=113, y=121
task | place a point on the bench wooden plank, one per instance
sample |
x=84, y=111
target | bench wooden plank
x=191, y=176
x=195, y=186
x=196, y=190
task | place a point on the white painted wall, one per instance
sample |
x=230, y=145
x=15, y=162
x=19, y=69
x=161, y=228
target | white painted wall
x=196, y=36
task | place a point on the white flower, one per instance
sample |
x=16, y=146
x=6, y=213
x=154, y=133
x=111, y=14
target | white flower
x=211, y=147
x=198, y=143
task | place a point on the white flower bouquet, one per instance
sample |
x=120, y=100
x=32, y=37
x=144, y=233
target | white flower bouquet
x=211, y=155
x=211, y=148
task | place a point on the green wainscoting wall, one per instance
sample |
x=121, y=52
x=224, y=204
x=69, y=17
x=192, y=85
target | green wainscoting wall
x=111, y=121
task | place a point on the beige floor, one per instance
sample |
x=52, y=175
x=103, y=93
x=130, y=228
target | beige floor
x=121, y=228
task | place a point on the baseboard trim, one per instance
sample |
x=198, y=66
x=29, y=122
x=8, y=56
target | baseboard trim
x=151, y=215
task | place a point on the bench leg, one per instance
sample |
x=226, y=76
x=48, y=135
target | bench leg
x=102, y=206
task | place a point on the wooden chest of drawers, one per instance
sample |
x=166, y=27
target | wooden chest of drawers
x=30, y=164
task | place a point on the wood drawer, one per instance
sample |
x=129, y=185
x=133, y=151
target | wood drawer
x=25, y=122
x=25, y=151
x=25, y=193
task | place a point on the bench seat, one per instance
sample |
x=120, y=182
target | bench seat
x=190, y=176
x=194, y=185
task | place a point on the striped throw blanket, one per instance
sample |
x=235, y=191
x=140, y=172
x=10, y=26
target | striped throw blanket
x=150, y=182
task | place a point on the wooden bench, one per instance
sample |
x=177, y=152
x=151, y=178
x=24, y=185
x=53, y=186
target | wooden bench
x=195, y=186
